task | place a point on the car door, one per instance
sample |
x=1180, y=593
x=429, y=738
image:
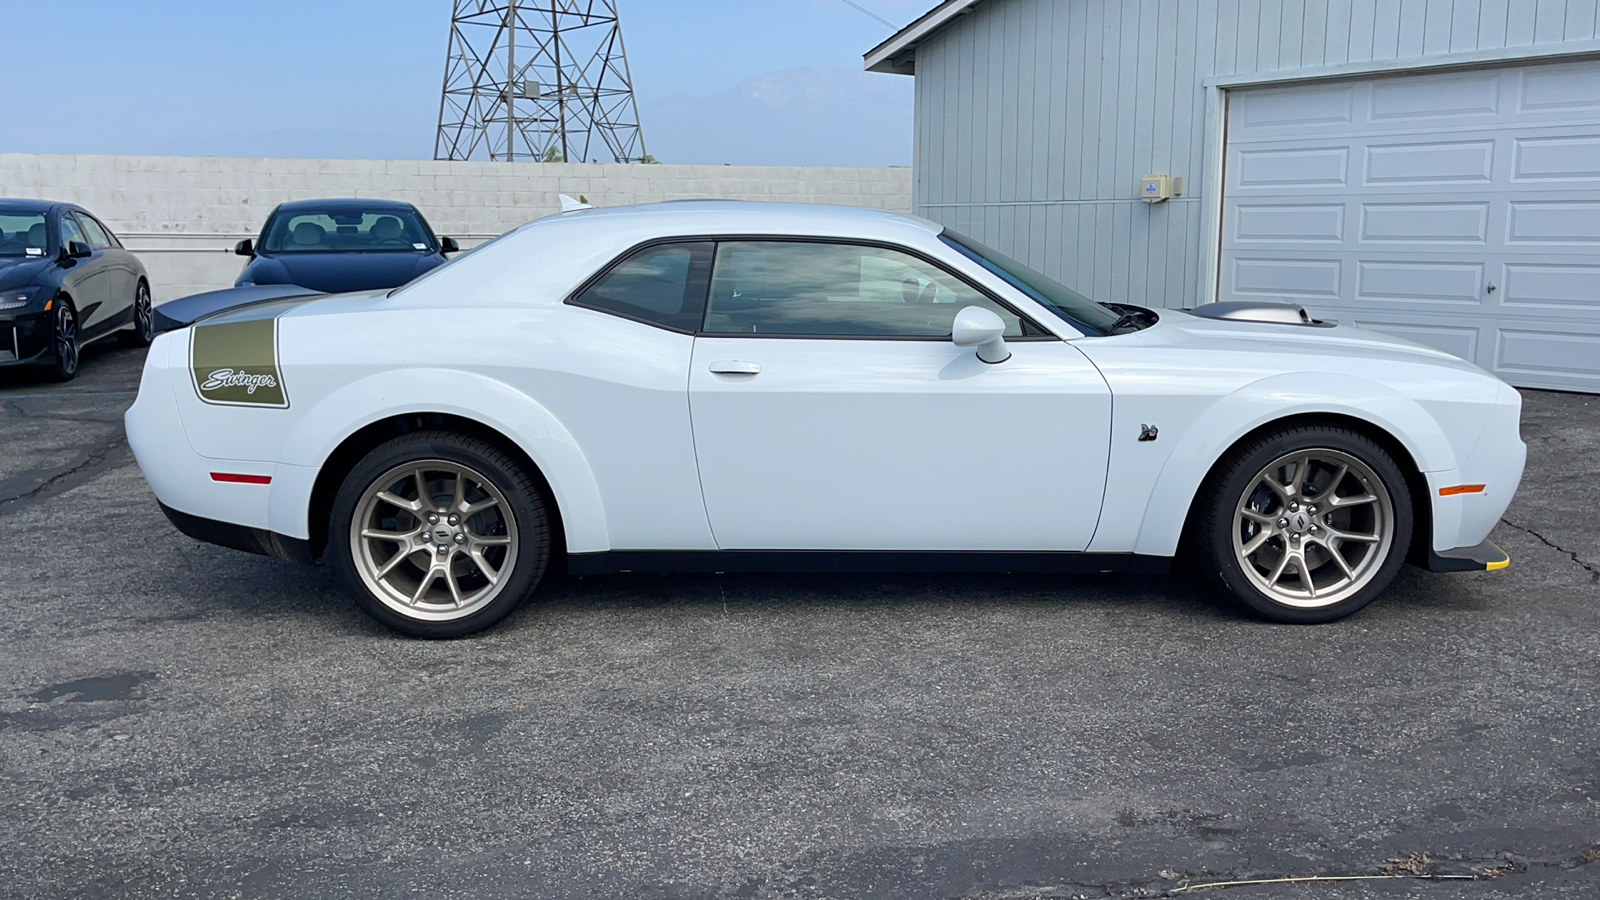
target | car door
x=91, y=279
x=832, y=412
x=122, y=272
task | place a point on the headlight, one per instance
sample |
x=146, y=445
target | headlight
x=14, y=299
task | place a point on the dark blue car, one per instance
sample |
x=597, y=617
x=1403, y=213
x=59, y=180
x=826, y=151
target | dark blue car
x=65, y=280
x=334, y=246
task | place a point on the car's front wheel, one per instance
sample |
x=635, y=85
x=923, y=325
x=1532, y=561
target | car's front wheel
x=65, y=367
x=1306, y=523
x=439, y=534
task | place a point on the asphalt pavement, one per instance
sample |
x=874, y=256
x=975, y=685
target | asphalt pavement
x=180, y=720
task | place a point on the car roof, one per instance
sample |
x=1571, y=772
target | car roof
x=743, y=217
x=342, y=203
x=10, y=205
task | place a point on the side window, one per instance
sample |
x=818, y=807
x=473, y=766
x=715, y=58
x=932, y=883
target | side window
x=111, y=238
x=71, y=231
x=847, y=290
x=97, y=235
x=664, y=285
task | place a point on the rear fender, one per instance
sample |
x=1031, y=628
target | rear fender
x=426, y=390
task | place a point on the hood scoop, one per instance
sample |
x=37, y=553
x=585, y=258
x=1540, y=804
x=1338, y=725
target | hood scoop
x=1260, y=311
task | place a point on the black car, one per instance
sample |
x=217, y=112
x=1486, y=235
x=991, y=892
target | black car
x=334, y=246
x=65, y=280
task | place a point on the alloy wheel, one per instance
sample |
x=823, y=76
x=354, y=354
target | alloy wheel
x=1313, y=528
x=433, y=540
x=142, y=314
x=66, y=338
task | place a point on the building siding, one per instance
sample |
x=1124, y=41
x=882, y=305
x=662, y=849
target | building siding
x=1035, y=118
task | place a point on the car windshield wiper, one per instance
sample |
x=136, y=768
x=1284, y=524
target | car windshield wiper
x=1128, y=322
x=1130, y=318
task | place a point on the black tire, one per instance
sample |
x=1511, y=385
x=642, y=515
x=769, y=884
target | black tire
x=527, y=507
x=143, y=330
x=66, y=347
x=1238, y=471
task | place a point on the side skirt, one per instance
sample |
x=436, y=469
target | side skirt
x=899, y=561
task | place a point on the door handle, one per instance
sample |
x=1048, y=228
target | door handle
x=735, y=367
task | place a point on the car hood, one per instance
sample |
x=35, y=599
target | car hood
x=1334, y=342
x=20, y=271
x=337, y=273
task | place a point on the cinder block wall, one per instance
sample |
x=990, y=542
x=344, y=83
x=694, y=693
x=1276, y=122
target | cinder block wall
x=182, y=215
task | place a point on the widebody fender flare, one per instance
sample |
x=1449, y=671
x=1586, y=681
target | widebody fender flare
x=496, y=405
x=1272, y=399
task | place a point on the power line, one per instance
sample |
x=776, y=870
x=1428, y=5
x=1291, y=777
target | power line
x=870, y=13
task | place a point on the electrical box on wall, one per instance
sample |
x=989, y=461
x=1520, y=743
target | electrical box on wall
x=1155, y=188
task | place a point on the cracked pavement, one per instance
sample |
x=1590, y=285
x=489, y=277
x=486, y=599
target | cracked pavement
x=187, y=721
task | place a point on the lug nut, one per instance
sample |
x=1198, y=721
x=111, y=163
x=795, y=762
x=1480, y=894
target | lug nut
x=1314, y=529
x=1294, y=538
x=1312, y=510
x=1283, y=523
x=461, y=538
x=455, y=520
x=1294, y=507
x=433, y=519
x=443, y=549
x=427, y=536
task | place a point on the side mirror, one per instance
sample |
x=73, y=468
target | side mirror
x=245, y=247
x=978, y=327
x=78, y=250
x=448, y=245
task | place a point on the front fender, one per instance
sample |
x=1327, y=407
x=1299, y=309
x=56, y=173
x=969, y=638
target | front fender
x=432, y=390
x=1270, y=399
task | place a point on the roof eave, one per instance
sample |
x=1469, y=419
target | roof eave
x=897, y=55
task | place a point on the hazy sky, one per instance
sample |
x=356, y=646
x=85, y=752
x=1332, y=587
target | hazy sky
x=362, y=77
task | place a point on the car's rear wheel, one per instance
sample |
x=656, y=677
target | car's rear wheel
x=439, y=534
x=65, y=367
x=143, y=330
x=1306, y=523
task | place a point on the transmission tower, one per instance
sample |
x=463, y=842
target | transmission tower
x=537, y=80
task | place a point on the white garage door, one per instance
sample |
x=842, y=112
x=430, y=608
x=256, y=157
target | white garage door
x=1460, y=210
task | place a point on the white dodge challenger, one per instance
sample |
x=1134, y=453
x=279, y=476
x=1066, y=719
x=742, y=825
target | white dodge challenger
x=724, y=386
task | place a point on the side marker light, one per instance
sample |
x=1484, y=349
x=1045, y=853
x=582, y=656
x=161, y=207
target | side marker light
x=236, y=478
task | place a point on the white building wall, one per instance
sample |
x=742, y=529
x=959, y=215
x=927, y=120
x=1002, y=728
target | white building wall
x=1035, y=118
x=182, y=215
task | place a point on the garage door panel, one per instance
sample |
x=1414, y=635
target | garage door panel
x=1456, y=98
x=1280, y=222
x=1564, y=158
x=1279, y=277
x=1428, y=163
x=1460, y=210
x=1567, y=287
x=1268, y=111
x=1553, y=222
x=1296, y=168
x=1562, y=90
x=1549, y=358
x=1460, y=284
x=1459, y=222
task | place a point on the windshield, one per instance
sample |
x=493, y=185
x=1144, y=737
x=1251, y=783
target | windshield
x=22, y=234
x=1083, y=313
x=347, y=231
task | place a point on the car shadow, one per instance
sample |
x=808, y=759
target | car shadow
x=104, y=365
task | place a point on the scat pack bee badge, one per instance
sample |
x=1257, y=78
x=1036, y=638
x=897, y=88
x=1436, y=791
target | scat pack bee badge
x=233, y=356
